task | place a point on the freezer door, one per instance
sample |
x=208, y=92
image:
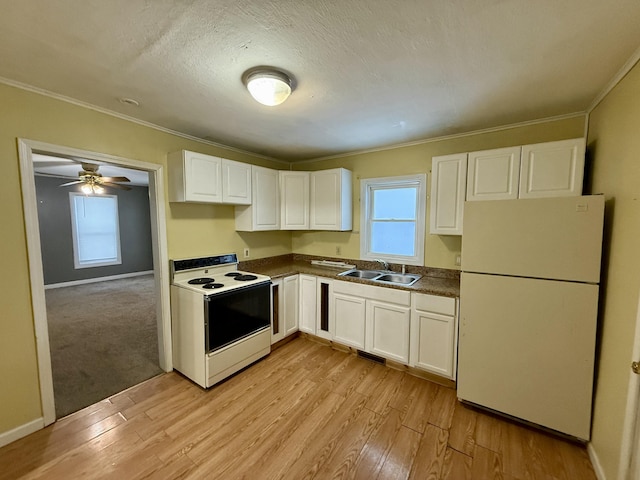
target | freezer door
x=555, y=238
x=527, y=349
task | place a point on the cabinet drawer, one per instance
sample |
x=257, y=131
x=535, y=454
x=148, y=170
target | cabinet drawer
x=384, y=294
x=434, y=303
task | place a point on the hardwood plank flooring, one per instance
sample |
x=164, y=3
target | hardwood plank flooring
x=305, y=412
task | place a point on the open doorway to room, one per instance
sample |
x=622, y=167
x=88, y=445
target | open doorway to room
x=101, y=312
x=95, y=242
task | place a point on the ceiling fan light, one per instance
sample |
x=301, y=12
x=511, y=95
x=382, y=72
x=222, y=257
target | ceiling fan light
x=269, y=87
x=86, y=189
x=98, y=189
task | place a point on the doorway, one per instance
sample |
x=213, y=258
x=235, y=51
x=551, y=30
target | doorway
x=27, y=148
x=630, y=451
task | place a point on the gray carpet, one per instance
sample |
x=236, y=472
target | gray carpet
x=103, y=339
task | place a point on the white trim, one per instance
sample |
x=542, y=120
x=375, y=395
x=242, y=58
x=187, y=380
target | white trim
x=73, y=283
x=631, y=412
x=595, y=462
x=444, y=137
x=36, y=276
x=121, y=116
x=22, y=431
x=159, y=247
x=626, y=68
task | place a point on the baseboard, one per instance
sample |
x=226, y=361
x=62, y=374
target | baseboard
x=595, y=461
x=22, y=431
x=97, y=279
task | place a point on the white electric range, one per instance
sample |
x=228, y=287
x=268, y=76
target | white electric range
x=220, y=317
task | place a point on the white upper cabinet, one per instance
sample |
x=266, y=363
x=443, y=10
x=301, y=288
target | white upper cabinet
x=493, y=174
x=448, y=184
x=194, y=177
x=294, y=200
x=553, y=169
x=200, y=178
x=236, y=182
x=331, y=200
x=264, y=211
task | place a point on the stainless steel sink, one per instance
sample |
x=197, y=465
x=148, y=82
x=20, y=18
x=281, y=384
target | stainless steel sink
x=398, y=278
x=405, y=279
x=367, y=274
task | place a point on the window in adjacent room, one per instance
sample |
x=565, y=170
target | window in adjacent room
x=392, y=219
x=94, y=226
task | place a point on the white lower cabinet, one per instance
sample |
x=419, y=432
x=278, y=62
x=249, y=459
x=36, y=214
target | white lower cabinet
x=284, y=307
x=308, y=308
x=349, y=314
x=388, y=330
x=434, y=334
x=373, y=319
x=290, y=303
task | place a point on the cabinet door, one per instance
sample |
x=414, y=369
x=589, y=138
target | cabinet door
x=294, y=200
x=236, y=182
x=493, y=174
x=264, y=211
x=194, y=177
x=290, y=287
x=553, y=169
x=308, y=304
x=448, y=189
x=388, y=330
x=433, y=342
x=348, y=315
x=330, y=205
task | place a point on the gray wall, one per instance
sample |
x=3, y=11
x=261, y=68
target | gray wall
x=54, y=215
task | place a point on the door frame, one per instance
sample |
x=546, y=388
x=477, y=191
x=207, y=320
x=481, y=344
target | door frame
x=631, y=429
x=26, y=148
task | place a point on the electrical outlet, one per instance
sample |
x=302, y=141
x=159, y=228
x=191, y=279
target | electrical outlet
x=338, y=250
x=458, y=260
x=246, y=253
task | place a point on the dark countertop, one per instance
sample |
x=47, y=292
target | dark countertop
x=445, y=283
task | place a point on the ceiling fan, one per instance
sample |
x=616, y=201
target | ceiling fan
x=94, y=182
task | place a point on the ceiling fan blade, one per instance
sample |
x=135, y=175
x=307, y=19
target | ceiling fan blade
x=71, y=183
x=114, y=185
x=114, y=179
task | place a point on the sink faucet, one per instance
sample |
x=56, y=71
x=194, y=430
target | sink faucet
x=385, y=265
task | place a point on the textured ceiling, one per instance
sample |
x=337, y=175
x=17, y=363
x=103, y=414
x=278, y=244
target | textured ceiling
x=369, y=73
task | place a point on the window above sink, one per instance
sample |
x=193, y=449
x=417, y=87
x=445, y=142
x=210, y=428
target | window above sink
x=393, y=212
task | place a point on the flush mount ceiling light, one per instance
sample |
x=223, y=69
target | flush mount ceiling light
x=268, y=86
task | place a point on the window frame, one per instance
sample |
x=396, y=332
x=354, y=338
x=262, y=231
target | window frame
x=74, y=233
x=367, y=186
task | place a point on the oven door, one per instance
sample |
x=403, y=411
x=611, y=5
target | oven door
x=238, y=313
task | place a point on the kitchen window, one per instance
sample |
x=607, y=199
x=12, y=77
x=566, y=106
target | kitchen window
x=392, y=219
x=95, y=230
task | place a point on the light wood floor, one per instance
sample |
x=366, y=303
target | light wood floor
x=306, y=411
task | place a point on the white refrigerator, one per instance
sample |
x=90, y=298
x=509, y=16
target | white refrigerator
x=529, y=308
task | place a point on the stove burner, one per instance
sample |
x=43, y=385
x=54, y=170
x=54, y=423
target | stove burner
x=200, y=281
x=213, y=285
x=233, y=274
x=244, y=278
